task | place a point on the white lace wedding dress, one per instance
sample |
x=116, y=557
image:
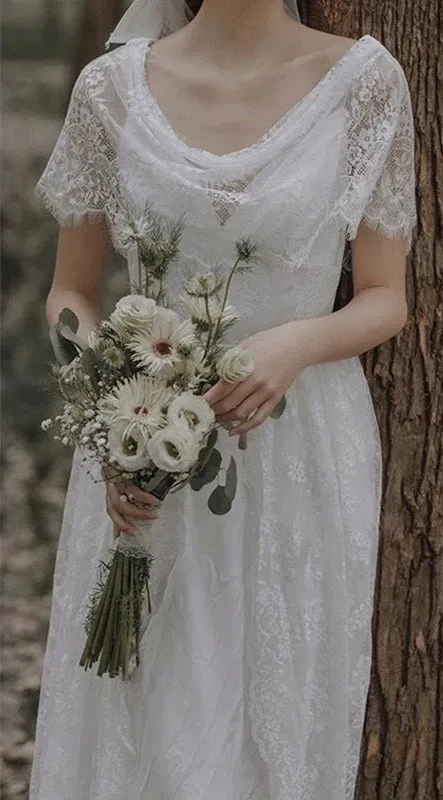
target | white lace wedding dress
x=255, y=664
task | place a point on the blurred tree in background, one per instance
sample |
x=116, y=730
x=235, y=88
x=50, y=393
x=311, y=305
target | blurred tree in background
x=45, y=44
x=402, y=752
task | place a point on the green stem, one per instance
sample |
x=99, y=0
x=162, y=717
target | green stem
x=208, y=341
x=228, y=284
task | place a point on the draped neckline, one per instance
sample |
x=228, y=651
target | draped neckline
x=155, y=111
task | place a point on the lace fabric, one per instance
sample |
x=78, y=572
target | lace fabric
x=255, y=662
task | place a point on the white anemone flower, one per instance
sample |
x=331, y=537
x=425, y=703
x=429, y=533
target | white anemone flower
x=193, y=412
x=159, y=349
x=132, y=313
x=128, y=450
x=174, y=448
x=139, y=401
x=235, y=364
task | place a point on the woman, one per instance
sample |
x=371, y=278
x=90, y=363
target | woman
x=255, y=664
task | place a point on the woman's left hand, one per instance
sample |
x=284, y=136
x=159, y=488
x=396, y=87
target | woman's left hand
x=278, y=361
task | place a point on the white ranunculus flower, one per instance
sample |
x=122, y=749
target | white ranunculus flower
x=174, y=448
x=129, y=450
x=158, y=349
x=235, y=364
x=192, y=411
x=132, y=313
x=138, y=400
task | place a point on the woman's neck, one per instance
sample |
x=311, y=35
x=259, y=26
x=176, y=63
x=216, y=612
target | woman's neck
x=233, y=30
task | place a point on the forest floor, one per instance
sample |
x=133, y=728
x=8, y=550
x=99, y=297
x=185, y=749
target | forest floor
x=35, y=468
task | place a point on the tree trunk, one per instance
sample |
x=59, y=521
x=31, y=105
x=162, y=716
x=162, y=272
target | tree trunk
x=98, y=18
x=402, y=746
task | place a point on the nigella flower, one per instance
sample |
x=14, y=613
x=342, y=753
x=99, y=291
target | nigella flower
x=159, y=350
x=245, y=249
x=202, y=284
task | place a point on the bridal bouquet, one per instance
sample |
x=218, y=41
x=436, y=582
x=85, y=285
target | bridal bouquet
x=132, y=396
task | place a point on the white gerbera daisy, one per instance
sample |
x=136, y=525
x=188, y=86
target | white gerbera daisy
x=128, y=450
x=192, y=411
x=174, y=448
x=138, y=401
x=159, y=349
x=133, y=313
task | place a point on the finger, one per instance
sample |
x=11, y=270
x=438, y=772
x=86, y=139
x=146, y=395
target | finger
x=239, y=392
x=242, y=411
x=140, y=495
x=128, y=509
x=120, y=522
x=260, y=415
x=219, y=390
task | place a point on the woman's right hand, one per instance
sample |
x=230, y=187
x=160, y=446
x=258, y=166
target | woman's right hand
x=124, y=499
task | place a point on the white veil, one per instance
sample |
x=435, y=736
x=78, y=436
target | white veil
x=156, y=18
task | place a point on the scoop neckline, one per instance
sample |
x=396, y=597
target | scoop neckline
x=155, y=108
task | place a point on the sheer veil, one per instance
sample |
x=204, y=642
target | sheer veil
x=156, y=18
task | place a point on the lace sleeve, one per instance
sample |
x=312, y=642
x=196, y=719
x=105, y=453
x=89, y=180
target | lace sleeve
x=380, y=162
x=78, y=177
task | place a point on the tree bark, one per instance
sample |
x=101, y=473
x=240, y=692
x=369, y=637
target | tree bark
x=98, y=18
x=402, y=745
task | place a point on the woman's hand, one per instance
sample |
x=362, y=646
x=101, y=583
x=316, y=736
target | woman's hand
x=135, y=504
x=278, y=361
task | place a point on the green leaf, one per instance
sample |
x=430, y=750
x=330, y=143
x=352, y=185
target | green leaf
x=67, y=333
x=242, y=441
x=64, y=350
x=277, y=411
x=69, y=318
x=208, y=472
x=231, y=479
x=219, y=502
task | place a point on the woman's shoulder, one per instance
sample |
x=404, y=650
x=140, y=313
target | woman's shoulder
x=107, y=68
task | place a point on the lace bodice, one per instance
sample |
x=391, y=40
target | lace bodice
x=345, y=152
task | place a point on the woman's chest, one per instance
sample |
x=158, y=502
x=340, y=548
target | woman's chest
x=281, y=191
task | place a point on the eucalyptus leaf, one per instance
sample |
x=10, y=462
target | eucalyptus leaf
x=219, y=502
x=208, y=472
x=69, y=318
x=277, y=411
x=67, y=333
x=64, y=350
x=242, y=441
x=231, y=479
x=212, y=438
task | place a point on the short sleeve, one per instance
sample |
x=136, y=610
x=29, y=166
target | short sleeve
x=380, y=157
x=78, y=177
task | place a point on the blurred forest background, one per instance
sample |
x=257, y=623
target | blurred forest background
x=44, y=45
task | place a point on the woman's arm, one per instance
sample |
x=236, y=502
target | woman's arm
x=377, y=311
x=81, y=255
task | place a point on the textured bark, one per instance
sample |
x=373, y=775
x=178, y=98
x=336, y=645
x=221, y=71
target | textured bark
x=98, y=18
x=402, y=746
